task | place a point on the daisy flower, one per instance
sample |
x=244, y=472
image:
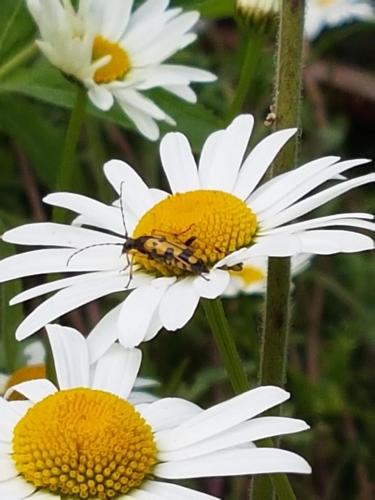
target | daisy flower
x=34, y=366
x=252, y=278
x=86, y=438
x=182, y=245
x=321, y=14
x=258, y=9
x=118, y=53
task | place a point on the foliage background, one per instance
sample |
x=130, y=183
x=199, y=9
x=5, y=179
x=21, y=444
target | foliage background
x=332, y=346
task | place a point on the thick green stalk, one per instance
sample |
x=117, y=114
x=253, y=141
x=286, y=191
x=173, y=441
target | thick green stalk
x=225, y=342
x=277, y=314
x=253, y=45
x=66, y=172
x=22, y=56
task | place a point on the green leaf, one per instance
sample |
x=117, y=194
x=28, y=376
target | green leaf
x=45, y=83
x=208, y=8
x=10, y=317
x=41, y=140
x=16, y=27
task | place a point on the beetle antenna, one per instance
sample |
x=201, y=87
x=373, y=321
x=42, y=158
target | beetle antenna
x=89, y=246
x=122, y=208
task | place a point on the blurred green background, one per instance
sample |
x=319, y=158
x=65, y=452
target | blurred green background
x=330, y=373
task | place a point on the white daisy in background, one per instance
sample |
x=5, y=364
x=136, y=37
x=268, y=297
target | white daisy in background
x=218, y=216
x=86, y=438
x=322, y=14
x=117, y=54
x=258, y=10
x=252, y=278
x=34, y=355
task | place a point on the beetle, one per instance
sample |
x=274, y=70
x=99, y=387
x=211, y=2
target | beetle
x=159, y=246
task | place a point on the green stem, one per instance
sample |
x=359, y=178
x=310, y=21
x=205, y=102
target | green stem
x=21, y=56
x=224, y=340
x=66, y=173
x=253, y=42
x=277, y=312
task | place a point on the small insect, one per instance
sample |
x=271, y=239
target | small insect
x=170, y=251
x=159, y=247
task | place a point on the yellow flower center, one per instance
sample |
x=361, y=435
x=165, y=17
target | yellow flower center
x=249, y=275
x=210, y=224
x=29, y=372
x=325, y=3
x=117, y=67
x=84, y=443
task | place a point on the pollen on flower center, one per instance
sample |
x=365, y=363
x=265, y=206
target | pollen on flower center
x=117, y=67
x=84, y=443
x=211, y=224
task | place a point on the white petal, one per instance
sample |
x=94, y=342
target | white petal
x=178, y=304
x=144, y=123
x=70, y=355
x=52, y=286
x=305, y=186
x=34, y=262
x=6, y=448
x=114, y=20
x=327, y=242
x=136, y=314
x=104, y=334
x=222, y=416
x=8, y=419
x=170, y=491
x=283, y=184
x=101, y=97
x=16, y=488
x=117, y=370
x=235, y=463
x=43, y=495
x=348, y=219
x=139, y=101
x=140, y=495
x=228, y=154
x=183, y=92
x=316, y=200
x=214, y=285
x=135, y=192
x=206, y=167
x=178, y=163
x=173, y=38
x=245, y=433
x=169, y=412
x=34, y=390
x=259, y=160
x=51, y=234
x=65, y=301
x=7, y=468
x=104, y=216
x=266, y=246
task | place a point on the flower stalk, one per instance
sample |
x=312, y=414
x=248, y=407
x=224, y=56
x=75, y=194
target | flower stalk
x=225, y=343
x=276, y=328
x=66, y=172
x=252, y=52
x=18, y=59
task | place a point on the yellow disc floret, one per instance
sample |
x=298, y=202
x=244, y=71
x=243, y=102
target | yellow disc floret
x=211, y=223
x=249, y=275
x=84, y=443
x=117, y=67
